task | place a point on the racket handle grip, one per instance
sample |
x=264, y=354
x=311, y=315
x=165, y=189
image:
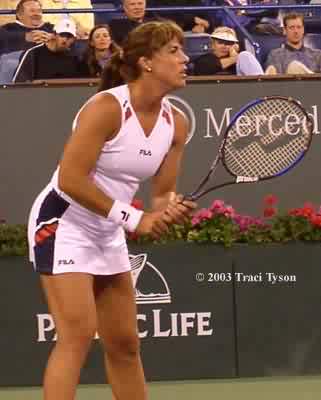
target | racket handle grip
x=189, y=197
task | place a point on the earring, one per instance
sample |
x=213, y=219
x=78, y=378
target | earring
x=148, y=69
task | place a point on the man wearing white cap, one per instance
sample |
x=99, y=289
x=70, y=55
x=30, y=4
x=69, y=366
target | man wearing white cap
x=50, y=60
x=225, y=58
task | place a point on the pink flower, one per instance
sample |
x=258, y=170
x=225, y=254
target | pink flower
x=229, y=212
x=201, y=215
x=217, y=205
x=245, y=222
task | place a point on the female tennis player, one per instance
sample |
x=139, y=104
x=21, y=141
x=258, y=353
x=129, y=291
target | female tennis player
x=120, y=137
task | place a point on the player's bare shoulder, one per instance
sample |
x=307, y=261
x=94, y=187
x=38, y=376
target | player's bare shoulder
x=103, y=112
x=181, y=125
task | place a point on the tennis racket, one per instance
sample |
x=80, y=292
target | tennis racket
x=265, y=139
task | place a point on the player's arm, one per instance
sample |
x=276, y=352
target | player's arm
x=98, y=122
x=163, y=188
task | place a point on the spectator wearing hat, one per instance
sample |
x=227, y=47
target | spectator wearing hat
x=84, y=22
x=225, y=57
x=29, y=27
x=50, y=60
x=196, y=22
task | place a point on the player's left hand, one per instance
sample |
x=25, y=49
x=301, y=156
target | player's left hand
x=179, y=211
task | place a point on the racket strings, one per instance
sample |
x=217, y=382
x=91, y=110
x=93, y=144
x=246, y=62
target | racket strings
x=255, y=162
x=281, y=109
x=272, y=135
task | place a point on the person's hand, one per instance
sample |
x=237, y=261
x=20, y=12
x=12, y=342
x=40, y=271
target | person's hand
x=271, y=70
x=198, y=29
x=152, y=223
x=37, y=36
x=234, y=50
x=200, y=25
x=178, y=210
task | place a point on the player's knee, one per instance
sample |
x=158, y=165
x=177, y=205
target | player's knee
x=77, y=333
x=125, y=346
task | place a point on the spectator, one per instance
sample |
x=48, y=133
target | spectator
x=50, y=60
x=9, y=41
x=269, y=22
x=198, y=22
x=8, y=5
x=134, y=15
x=99, y=50
x=240, y=15
x=225, y=57
x=84, y=22
x=29, y=26
x=293, y=57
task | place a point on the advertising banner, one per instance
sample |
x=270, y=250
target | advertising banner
x=186, y=326
x=33, y=141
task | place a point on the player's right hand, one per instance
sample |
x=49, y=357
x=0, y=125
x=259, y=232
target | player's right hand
x=152, y=223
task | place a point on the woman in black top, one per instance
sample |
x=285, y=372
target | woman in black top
x=99, y=50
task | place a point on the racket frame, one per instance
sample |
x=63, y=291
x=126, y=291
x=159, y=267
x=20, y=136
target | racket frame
x=197, y=193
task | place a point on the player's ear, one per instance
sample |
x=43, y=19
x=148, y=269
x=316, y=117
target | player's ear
x=145, y=64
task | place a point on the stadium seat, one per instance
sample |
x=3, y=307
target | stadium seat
x=266, y=44
x=104, y=18
x=313, y=40
x=8, y=65
x=197, y=44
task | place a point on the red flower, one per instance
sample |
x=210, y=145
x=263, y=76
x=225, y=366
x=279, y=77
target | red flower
x=137, y=203
x=132, y=236
x=308, y=210
x=269, y=212
x=294, y=211
x=270, y=200
x=316, y=220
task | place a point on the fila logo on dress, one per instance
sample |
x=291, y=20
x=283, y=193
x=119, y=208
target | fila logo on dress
x=66, y=262
x=143, y=152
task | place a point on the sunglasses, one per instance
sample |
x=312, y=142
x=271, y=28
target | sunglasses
x=226, y=42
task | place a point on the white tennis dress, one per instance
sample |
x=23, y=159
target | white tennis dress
x=65, y=236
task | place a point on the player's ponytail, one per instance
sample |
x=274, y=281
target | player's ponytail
x=111, y=75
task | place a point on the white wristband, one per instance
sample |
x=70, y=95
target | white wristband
x=125, y=215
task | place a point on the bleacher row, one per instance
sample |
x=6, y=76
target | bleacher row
x=198, y=44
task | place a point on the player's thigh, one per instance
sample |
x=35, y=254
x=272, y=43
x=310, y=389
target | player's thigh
x=71, y=301
x=116, y=311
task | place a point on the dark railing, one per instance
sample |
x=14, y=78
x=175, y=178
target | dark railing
x=170, y=9
x=227, y=9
